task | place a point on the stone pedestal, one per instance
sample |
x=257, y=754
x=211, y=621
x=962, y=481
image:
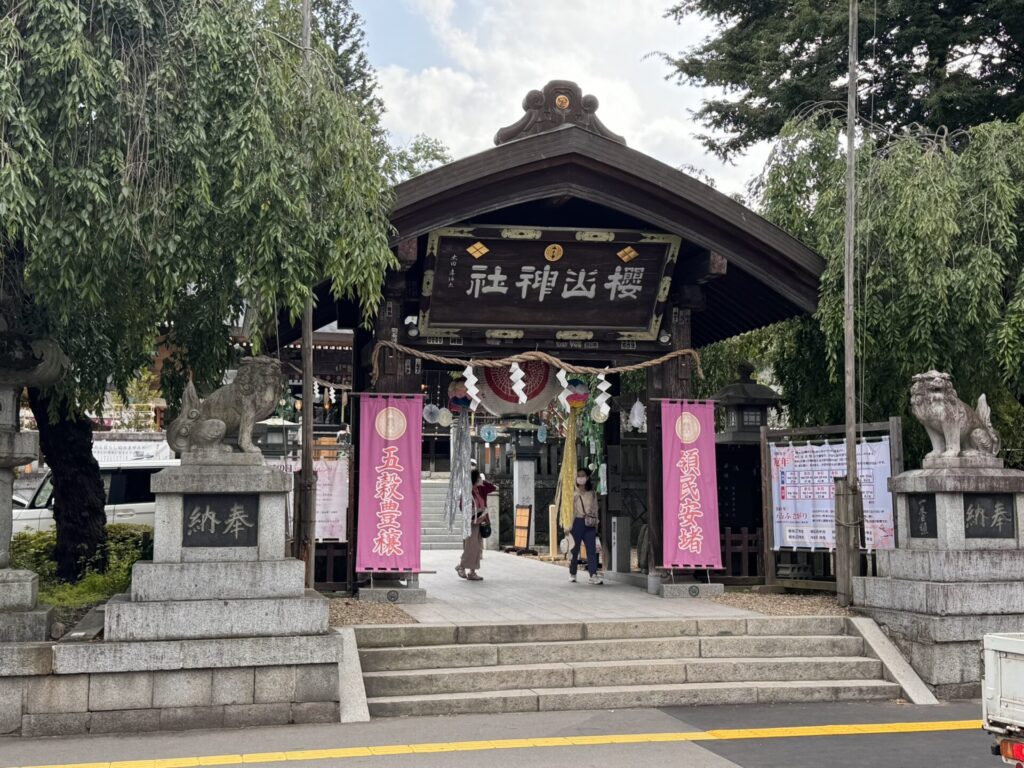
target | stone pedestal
x=21, y=620
x=218, y=631
x=958, y=573
x=690, y=589
x=219, y=566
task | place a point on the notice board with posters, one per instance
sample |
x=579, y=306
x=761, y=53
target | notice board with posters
x=803, y=493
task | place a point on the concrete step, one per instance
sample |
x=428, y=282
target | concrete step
x=406, y=635
x=637, y=649
x=774, y=646
x=441, y=546
x=631, y=696
x=448, y=541
x=418, y=682
x=604, y=673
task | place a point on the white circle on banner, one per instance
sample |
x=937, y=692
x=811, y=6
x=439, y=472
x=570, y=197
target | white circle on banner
x=687, y=427
x=390, y=423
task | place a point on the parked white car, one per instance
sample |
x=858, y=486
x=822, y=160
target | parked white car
x=129, y=499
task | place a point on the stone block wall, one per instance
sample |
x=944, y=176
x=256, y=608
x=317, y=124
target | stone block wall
x=61, y=689
x=123, y=702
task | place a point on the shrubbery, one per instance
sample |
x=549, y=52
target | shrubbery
x=125, y=544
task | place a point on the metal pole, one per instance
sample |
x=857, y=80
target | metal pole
x=847, y=540
x=308, y=478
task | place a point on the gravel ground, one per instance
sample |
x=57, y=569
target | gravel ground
x=784, y=605
x=346, y=610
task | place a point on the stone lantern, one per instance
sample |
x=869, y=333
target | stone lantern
x=23, y=362
x=746, y=405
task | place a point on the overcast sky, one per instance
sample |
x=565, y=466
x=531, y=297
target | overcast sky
x=458, y=70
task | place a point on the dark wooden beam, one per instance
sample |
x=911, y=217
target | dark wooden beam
x=407, y=252
x=702, y=267
x=691, y=297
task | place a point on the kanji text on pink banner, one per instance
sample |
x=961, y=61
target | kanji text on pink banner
x=689, y=485
x=390, y=456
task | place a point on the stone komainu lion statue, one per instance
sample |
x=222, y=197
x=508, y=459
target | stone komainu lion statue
x=231, y=410
x=954, y=427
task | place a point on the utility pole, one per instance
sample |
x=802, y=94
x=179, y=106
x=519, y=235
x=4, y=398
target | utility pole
x=308, y=478
x=849, y=506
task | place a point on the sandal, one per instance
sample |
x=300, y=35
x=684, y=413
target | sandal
x=474, y=577
x=461, y=571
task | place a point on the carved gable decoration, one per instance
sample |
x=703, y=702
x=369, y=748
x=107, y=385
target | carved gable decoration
x=560, y=103
x=544, y=283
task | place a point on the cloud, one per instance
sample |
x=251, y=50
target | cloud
x=486, y=54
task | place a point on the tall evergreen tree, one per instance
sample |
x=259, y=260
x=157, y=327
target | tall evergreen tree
x=949, y=64
x=339, y=29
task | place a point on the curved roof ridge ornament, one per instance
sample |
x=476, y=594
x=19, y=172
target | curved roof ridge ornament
x=561, y=102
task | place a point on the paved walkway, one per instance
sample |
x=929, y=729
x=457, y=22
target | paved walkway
x=876, y=734
x=520, y=589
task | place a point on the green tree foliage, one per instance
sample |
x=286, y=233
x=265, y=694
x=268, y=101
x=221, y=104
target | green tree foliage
x=939, y=270
x=164, y=163
x=420, y=155
x=341, y=31
x=956, y=64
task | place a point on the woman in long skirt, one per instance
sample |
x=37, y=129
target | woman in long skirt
x=473, y=545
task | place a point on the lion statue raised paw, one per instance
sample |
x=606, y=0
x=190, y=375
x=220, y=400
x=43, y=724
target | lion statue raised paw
x=954, y=428
x=230, y=410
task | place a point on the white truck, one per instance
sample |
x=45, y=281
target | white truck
x=1003, y=695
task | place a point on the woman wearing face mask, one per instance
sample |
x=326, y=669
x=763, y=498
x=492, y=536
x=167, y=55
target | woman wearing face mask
x=584, y=526
x=473, y=545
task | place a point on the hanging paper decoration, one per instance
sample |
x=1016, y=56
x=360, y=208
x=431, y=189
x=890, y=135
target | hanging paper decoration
x=316, y=389
x=444, y=417
x=332, y=395
x=542, y=434
x=563, y=396
x=517, y=375
x=501, y=394
x=637, y=415
x=458, y=395
x=431, y=414
x=458, y=501
x=488, y=433
x=577, y=395
x=601, y=401
x=471, y=387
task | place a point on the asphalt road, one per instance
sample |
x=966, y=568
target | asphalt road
x=708, y=737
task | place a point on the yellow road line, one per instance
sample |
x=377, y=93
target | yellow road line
x=732, y=734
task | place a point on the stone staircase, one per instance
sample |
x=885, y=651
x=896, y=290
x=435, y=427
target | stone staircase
x=492, y=668
x=434, y=529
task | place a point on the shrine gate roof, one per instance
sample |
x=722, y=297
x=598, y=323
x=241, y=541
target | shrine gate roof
x=770, y=275
x=560, y=163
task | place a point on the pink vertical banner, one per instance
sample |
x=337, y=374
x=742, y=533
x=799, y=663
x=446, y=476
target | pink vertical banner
x=689, y=485
x=390, y=456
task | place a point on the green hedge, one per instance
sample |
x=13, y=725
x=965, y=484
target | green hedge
x=125, y=545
